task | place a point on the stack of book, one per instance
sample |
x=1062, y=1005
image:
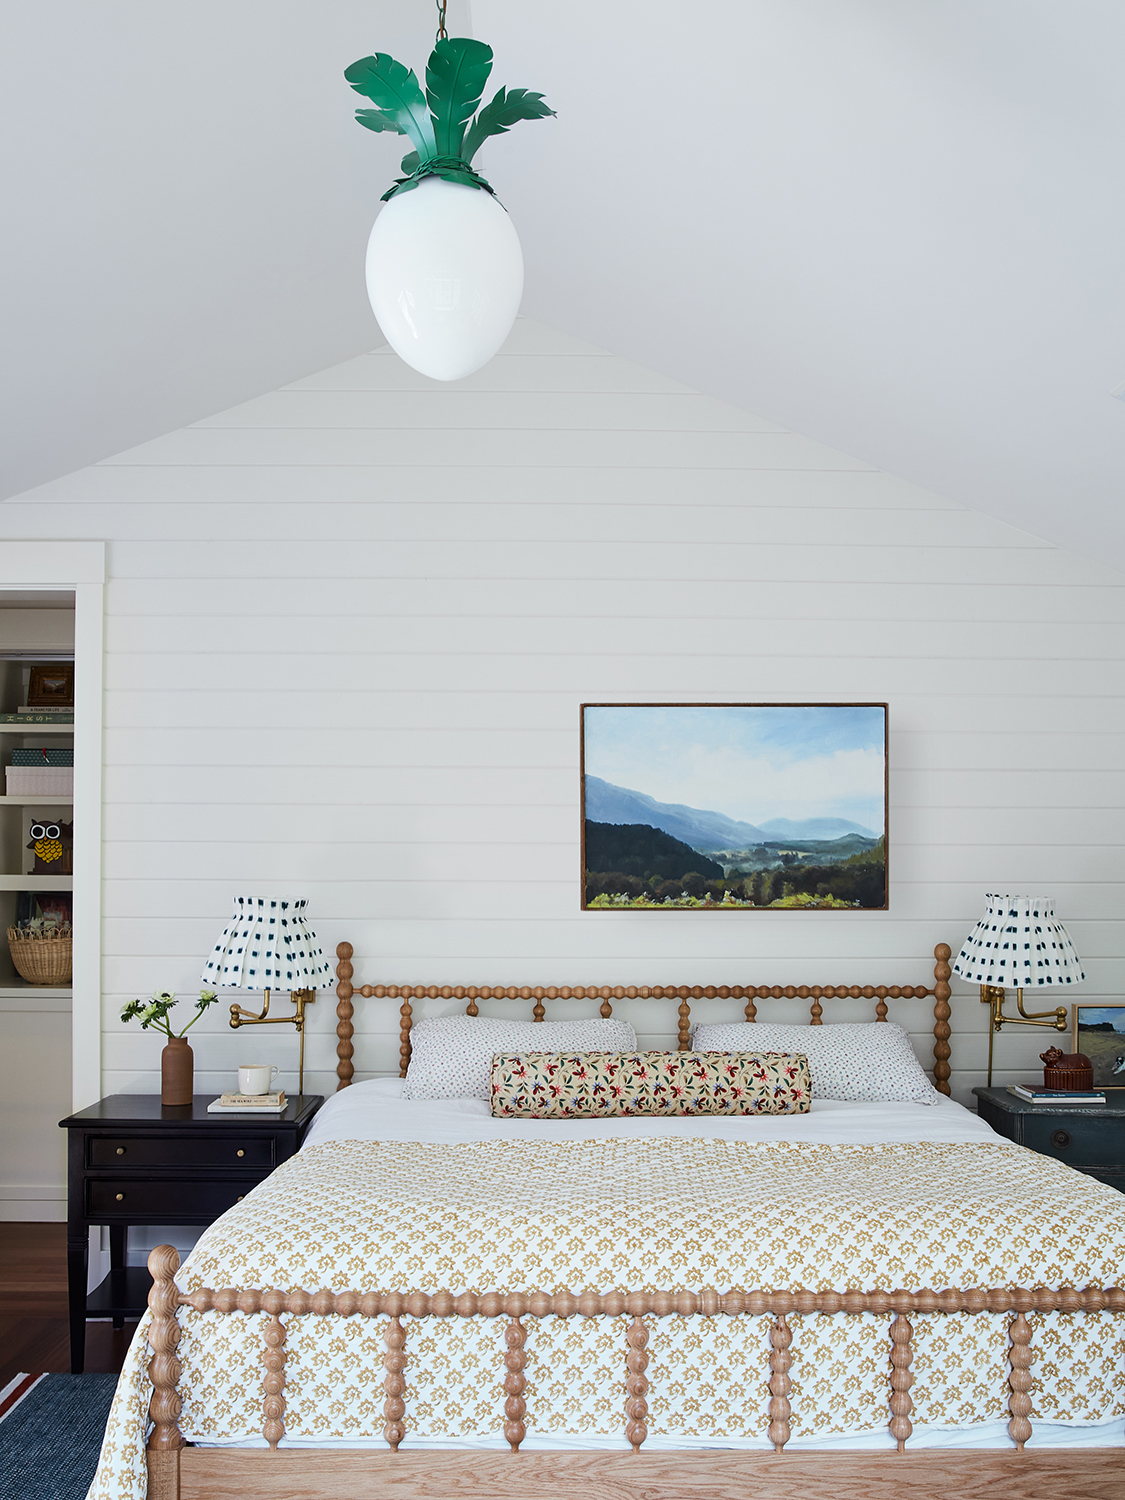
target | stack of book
x=1034, y=1094
x=248, y=1104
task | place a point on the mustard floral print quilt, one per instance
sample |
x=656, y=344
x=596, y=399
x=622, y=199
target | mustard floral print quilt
x=634, y=1214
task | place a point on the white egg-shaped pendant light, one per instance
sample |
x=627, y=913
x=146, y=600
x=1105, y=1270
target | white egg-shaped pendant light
x=444, y=265
x=445, y=276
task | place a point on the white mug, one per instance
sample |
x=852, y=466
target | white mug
x=256, y=1078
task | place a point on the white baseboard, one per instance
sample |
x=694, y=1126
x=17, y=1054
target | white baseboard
x=32, y=1211
x=32, y=1203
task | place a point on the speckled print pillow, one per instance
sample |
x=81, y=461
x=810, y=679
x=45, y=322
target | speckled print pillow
x=871, y=1060
x=572, y=1085
x=451, y=1056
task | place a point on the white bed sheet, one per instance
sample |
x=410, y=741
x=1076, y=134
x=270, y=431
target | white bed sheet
x=376, y=1111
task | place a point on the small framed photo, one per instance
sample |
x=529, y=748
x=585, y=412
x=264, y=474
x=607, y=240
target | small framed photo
x=1098, y=1031
x=51, y=685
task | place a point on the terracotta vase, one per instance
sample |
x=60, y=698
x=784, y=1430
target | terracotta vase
x=177, y=1067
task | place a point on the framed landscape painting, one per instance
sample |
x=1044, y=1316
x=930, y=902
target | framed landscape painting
x=1099, y=1033
x=734, y=806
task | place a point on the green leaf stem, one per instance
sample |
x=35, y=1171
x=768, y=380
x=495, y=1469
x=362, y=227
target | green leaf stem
x=397, y=92
x=500, y=114
x=436, y=121
x=448, y=168
x=154, y=1012
x=456, y=74
x=375, y=119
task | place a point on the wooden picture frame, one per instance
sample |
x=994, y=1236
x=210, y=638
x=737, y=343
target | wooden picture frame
x=734, y=806
x=1105, y=1049
x=51, y=685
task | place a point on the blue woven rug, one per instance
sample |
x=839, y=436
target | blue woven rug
x=49, y=1443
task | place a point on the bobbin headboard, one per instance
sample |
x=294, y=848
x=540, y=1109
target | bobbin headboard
x=606, y=994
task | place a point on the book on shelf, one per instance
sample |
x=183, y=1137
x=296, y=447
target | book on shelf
x=247, y=1104
x=40, y=716
x=1033, y=1094
x=59, y=708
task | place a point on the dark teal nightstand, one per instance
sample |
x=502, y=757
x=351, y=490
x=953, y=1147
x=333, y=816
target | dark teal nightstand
x=1088, y=1137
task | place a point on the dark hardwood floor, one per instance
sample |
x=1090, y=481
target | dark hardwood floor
x=33, y=1307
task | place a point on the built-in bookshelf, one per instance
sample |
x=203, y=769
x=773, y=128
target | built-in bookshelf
x=19, y=812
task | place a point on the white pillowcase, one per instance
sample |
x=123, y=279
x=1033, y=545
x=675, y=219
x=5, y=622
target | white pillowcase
x=451, y=1056
x=869, y=1060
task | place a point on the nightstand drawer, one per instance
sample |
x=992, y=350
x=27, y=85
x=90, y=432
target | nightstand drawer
x=128, y=1151
x=176, y=1201
x=1094, y=1142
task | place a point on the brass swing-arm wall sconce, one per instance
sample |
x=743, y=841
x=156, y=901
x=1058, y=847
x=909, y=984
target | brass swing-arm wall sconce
x=994, y=996
x=300, y=998
x=1018, y=943
x=268, y=945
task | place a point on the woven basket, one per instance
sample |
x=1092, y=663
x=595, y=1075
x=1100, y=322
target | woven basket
x=40, y=960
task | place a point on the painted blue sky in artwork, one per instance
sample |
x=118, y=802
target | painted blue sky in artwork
x=1096, y=1015
x=750, y=763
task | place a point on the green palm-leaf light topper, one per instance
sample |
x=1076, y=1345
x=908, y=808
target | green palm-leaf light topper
x=444, y=266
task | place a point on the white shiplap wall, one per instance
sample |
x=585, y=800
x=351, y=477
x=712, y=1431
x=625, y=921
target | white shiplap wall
x=350, y=624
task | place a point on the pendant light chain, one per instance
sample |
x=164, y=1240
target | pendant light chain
x=441, y=31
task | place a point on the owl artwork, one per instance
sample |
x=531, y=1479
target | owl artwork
x=53, y=844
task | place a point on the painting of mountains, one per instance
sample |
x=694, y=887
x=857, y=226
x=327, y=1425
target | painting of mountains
x=734, y=807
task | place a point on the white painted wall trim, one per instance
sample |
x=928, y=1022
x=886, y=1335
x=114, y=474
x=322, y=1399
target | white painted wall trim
x=79, y=565
x=89, y=651
x=51, y=565
x=32, y=1203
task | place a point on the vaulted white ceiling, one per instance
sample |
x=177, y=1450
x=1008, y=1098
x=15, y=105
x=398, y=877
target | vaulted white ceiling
x=893, y=225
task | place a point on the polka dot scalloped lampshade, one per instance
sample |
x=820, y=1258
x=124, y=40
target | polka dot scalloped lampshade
x=1019, y=943
x=267, y=945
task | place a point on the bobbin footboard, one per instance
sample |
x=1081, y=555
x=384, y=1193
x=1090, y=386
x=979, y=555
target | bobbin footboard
x=700, y=1472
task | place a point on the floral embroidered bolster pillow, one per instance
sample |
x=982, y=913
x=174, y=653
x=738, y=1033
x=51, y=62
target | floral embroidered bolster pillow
x=569, y=1085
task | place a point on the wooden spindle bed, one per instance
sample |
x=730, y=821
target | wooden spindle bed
x=216, y=1473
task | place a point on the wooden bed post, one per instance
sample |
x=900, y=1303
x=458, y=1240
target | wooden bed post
x=345, y=1010
x=273, y=1381
x=781, y=1387
x=165, y=1439
x=405, y=1021
x=636, y=1383
x=515, y=1382
x=394, y=1386
x=942, y=1014
x=1020, y=1379
x=901, y=1380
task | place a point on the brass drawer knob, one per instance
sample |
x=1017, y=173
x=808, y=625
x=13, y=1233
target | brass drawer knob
x=240, y=1153
x=1060, y=1138
x=121, y=1150
x=121, y=1197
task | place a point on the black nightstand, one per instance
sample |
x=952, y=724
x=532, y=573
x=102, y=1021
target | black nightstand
x=133, y=1160
x=1089, y=1137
